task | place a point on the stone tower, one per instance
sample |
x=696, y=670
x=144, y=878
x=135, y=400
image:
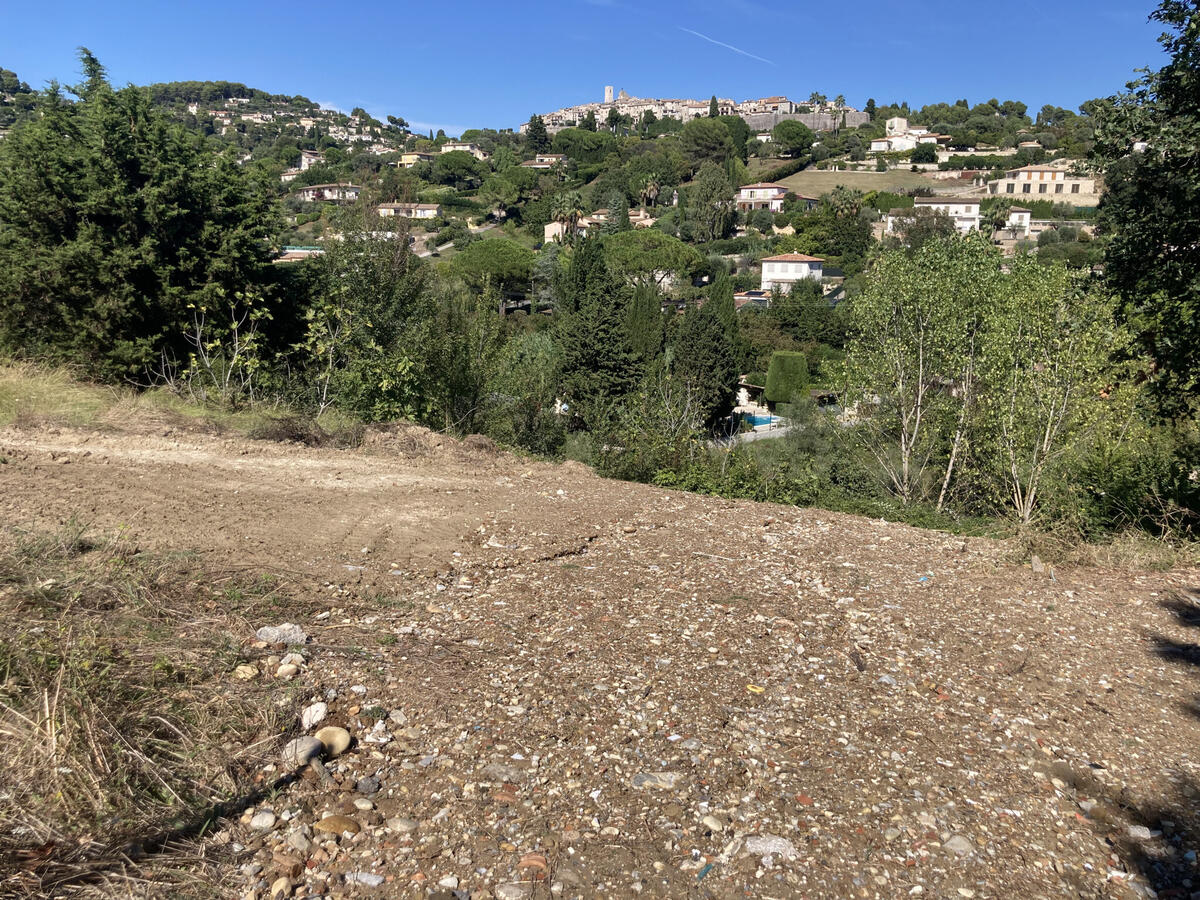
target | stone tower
x=608, y=97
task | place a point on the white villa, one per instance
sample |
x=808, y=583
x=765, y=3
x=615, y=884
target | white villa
x=1019, y=219
x=901, y=136
x=785, y=270
x=762, y=195
x=409, y=210
x=545, y=161
x=344, y=193
x=963, y=211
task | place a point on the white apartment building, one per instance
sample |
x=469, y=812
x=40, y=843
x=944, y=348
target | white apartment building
x=785, y=270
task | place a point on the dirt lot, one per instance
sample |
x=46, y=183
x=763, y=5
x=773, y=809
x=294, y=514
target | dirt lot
x=565, y=686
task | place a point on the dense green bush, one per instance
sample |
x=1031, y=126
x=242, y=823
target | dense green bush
x=787, y=376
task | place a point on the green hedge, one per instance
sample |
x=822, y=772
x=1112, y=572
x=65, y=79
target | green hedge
x=787, y=376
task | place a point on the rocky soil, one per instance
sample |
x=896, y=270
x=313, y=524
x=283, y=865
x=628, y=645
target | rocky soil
x=527, y=682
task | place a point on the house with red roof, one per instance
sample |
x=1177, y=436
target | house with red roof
x=762, y=195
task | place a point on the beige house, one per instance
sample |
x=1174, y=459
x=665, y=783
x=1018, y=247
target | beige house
x=408, y=160
x=473, y=149
x=785, y=270
x=1047, y=182
x=409, y=210
x=555, y=231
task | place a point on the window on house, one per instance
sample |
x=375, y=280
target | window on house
x=1041, y=189
x=1024, y=189
x=1010, y=188
x=1074, y=189
x=1058, y=188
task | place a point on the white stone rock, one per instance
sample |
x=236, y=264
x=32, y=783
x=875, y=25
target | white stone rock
x=287, y=633
x=313, y=715
x=299, y=751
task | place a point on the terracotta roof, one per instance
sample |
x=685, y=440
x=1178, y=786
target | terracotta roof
x=793, y=257
x=763, y=184
x=1013, y=209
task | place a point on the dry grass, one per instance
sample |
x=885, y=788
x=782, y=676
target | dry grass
x=815, y=182
x=124, y=735
x=1132, y=550
x=31, y=394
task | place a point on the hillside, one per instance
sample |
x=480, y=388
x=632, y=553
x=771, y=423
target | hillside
x=556, y=682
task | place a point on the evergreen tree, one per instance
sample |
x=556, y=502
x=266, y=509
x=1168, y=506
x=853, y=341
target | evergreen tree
x=646, y=325
x=618, y=214
x=536, y=136
x=1150, y=208
x=589, y=121
x=869, y=109
x=126, y=240
x=713, y=109
x=710, y=204
x=597, y=363
x=704, y=360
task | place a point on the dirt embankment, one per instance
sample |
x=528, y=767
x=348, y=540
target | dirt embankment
x=560, y=685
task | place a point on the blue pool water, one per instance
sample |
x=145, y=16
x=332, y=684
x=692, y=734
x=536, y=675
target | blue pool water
x=760, y=420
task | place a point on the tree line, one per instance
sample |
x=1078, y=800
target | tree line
x=967, y=384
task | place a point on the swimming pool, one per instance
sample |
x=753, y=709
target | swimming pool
x=756, y=420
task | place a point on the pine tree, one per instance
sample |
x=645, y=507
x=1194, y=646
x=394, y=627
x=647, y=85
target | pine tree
x=713, y=109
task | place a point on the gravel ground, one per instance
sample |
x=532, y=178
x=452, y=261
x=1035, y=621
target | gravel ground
x=556, y=685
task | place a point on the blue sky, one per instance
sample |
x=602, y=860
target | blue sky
x=491, y=64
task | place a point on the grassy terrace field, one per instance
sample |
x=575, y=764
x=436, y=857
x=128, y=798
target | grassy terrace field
x=815, y=182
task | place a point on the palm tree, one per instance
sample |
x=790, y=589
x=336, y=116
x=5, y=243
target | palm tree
x=845, y=201
x=649, y=190
x=567, y=210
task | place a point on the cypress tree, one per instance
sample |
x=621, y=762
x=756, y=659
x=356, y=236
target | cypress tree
x=704, y=359
x=598, y=365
